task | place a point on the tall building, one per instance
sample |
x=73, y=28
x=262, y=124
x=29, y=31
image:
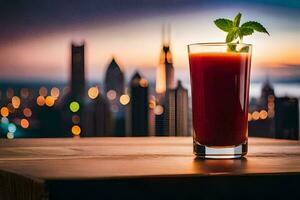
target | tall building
x=177, y=111
x=77, y=70
x=165, y=70
x=114, y=89
x=267, y=92
x=114, y=78
x=73, y=103
x=98, y=119
x=261, y=113
x=139, y=105
x=287, y=118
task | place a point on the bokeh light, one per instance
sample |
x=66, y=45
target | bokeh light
x=65, y=90
x=9, y=93
x=111, y=94
x=4, y=120
x=263, y=114
x=152, y=104
x=255, y=115
x=43, y=91
x=16, y=101
x=4, y=111
x=12, y=128
x=50, y=101
x=24, y=93
x=124, y=99
x=27, y=112
x=75, y=119
x=54, y=92
x=40, y=100
x=159, y=110
x=10, y=135
x=93, y=92
x=249, y=117
x=114, y=108
x=74, y=106
x=24, y=123
x=76, y=130
x=143, y=82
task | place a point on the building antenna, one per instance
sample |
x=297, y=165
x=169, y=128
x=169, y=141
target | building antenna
x=168, y=33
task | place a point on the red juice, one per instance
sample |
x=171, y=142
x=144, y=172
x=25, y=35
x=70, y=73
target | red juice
x=220, y=90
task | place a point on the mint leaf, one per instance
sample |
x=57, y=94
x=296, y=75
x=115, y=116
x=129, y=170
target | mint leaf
x=237, y=19
x=243, y=31
x=224, y=24
x=235, y=31
x=232, y=35
x=255, y=26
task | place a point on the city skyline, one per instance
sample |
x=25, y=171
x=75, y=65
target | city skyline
x=44, y=48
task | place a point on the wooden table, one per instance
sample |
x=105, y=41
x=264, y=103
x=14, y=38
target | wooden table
x=144, y=168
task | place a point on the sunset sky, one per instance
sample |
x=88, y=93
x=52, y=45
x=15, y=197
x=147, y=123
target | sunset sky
x=35, y=36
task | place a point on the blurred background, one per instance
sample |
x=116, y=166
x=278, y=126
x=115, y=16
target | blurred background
x=120, y=67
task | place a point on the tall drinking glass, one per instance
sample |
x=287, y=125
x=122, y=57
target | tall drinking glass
x=220, y=76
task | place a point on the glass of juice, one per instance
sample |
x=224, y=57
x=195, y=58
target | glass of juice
x=220, y=76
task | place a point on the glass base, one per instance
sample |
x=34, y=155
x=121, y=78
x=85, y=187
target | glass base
x=223, y=152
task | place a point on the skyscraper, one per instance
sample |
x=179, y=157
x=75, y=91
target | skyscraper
x=267, y=92
x=98, y=119
x=287, y=118
x=73, y=103
x=77, y=70
x=165, y=70
x=139, y=105
x=114, y=89
x=114, y=78
x=164, y=82
x=177, y=111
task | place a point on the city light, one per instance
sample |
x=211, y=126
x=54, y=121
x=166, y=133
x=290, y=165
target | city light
x=54, y=92
x=249, y=117
x=114, y=108
x=16, y=101
x=40, y=100
x=43, y=91
x=4, y=111
x=24, y=93
x=159, y=110
x=9, y=93
x=263, y=114
x=12, y=128
x=124, y=99
x=50, y=101
x=75, y=119
x=74, y=106
x=4, y=120
x=27, y=112
x=255, y=115
x=10, y=135
x=65, y=90
x=111, y=94
x=152, y=104
x=143, y=82
x=93, y=92
x=76, y=130
x=24, y=123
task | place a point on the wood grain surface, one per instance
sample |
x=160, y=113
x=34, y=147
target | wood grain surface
x=86, y=159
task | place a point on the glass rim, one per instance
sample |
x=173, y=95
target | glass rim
x=218, y=44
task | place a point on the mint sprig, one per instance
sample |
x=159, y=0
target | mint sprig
x=235, y=31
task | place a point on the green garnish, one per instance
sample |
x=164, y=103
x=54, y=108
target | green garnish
x=235, y=32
